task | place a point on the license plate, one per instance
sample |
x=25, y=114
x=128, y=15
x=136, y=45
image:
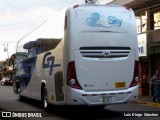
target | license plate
x=108, y=99
x=120, y=85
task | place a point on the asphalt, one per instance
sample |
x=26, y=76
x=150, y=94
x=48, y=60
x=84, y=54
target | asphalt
x=147, y=100
x=144, y=100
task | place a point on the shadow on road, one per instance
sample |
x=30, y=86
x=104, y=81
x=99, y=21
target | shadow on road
x=83, y=112
x=76, y=112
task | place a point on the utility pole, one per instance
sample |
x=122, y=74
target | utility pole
x=6, y=50
x=7, y=54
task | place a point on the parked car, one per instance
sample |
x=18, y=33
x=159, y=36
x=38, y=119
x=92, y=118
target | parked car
x=6, y=81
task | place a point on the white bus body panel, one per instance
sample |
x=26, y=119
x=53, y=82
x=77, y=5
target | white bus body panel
x=91, y=32
x=80, y=97
x=41, y=75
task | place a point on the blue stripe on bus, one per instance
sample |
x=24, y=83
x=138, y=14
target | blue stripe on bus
x=27, y=67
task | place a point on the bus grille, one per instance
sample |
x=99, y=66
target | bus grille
x=104, y=52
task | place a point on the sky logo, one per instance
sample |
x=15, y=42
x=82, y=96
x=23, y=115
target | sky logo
x=115, y=21
x=97, y=20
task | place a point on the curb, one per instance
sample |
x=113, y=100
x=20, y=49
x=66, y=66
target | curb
x=152, y=104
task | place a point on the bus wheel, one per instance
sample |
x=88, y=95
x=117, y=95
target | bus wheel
x=45, y=99
x=21, y=98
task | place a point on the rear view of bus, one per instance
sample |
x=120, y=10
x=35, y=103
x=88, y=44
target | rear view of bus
x=100, y=54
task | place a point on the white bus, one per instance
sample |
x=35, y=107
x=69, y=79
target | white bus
x=96, y=63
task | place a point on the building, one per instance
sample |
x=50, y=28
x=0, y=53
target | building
x=148, y=29
x=1, y=67
x=3, y=70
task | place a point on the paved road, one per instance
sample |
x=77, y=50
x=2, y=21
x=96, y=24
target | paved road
x=9, y=102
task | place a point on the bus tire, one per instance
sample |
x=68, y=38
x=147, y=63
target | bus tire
x=45, y=103
x=21, y=98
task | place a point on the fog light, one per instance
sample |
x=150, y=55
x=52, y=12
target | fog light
x=72, y=81
x=137, y=79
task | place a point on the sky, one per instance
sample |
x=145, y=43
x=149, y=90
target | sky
x=31, y=19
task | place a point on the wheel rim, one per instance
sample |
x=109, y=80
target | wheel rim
x=19, y=97
x=45, y=99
